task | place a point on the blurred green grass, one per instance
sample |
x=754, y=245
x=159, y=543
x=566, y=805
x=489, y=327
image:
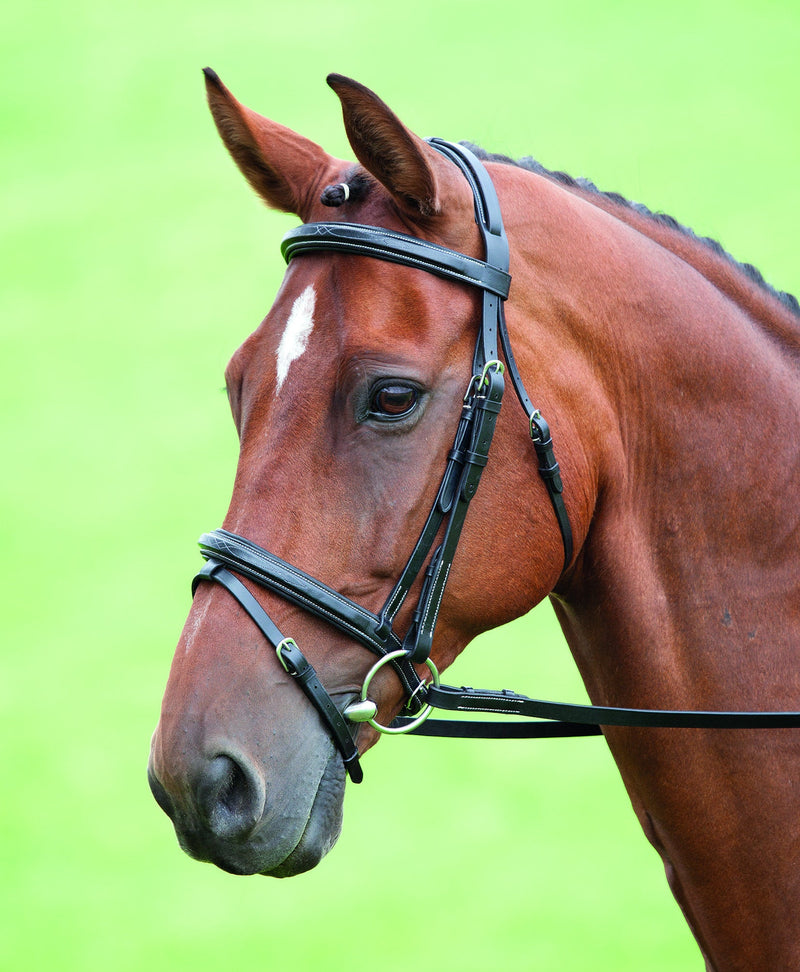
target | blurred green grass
x=133, y=261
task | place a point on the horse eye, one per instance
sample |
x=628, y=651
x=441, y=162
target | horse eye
x=393, y=401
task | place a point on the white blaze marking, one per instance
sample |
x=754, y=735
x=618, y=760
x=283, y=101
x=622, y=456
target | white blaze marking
x=295, y=337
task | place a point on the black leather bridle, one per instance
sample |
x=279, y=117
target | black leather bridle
x=226, y=552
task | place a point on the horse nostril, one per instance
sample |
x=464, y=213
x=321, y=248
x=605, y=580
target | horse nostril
x=230, y=797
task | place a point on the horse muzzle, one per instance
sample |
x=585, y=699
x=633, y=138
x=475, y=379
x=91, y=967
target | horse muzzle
x=224, y=811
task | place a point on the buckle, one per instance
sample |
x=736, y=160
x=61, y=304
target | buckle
x=286, y=643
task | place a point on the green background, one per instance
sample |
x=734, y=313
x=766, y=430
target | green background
x=134, y=260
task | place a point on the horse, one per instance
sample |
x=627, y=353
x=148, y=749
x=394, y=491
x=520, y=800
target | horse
x=652, y=494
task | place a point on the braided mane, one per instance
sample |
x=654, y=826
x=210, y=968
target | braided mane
x=586, y=185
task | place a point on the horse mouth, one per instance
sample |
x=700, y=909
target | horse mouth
x=323, y=827
x=269, y=848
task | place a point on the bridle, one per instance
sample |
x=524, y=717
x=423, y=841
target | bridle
x=226, y=552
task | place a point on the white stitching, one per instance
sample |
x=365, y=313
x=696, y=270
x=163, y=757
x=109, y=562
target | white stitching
x=438, y=602
x=324, y=229
x=282, y=586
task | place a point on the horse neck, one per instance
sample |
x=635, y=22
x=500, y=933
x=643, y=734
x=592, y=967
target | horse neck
x=685, y=398
x=747, y=291
x=676, y=407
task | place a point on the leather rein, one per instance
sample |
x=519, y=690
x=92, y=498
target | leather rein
x=226, y=552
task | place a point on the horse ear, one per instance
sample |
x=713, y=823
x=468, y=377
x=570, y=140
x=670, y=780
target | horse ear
x=283, y=167
x=397, y=158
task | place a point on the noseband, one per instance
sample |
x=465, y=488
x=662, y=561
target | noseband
x=226, y=552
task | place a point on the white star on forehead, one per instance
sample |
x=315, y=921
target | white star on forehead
x=295, y=337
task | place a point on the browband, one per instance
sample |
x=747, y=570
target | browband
x=396, y=248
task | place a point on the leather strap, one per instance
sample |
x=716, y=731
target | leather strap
x=551, y=474
x=293, y=661
x=542, y=443
x=576, y=720
x=475, y=729
x=293, y=584
x=385, y=244
x=486, y=407
x=489, y=219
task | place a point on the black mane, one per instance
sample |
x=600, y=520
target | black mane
x=788, y=300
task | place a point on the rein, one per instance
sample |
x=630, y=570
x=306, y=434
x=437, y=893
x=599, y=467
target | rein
x=226, y=552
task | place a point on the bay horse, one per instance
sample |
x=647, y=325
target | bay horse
x=658, y=506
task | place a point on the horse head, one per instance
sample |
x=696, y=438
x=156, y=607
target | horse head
x=345, y=399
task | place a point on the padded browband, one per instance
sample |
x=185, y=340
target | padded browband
x=385, y=244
